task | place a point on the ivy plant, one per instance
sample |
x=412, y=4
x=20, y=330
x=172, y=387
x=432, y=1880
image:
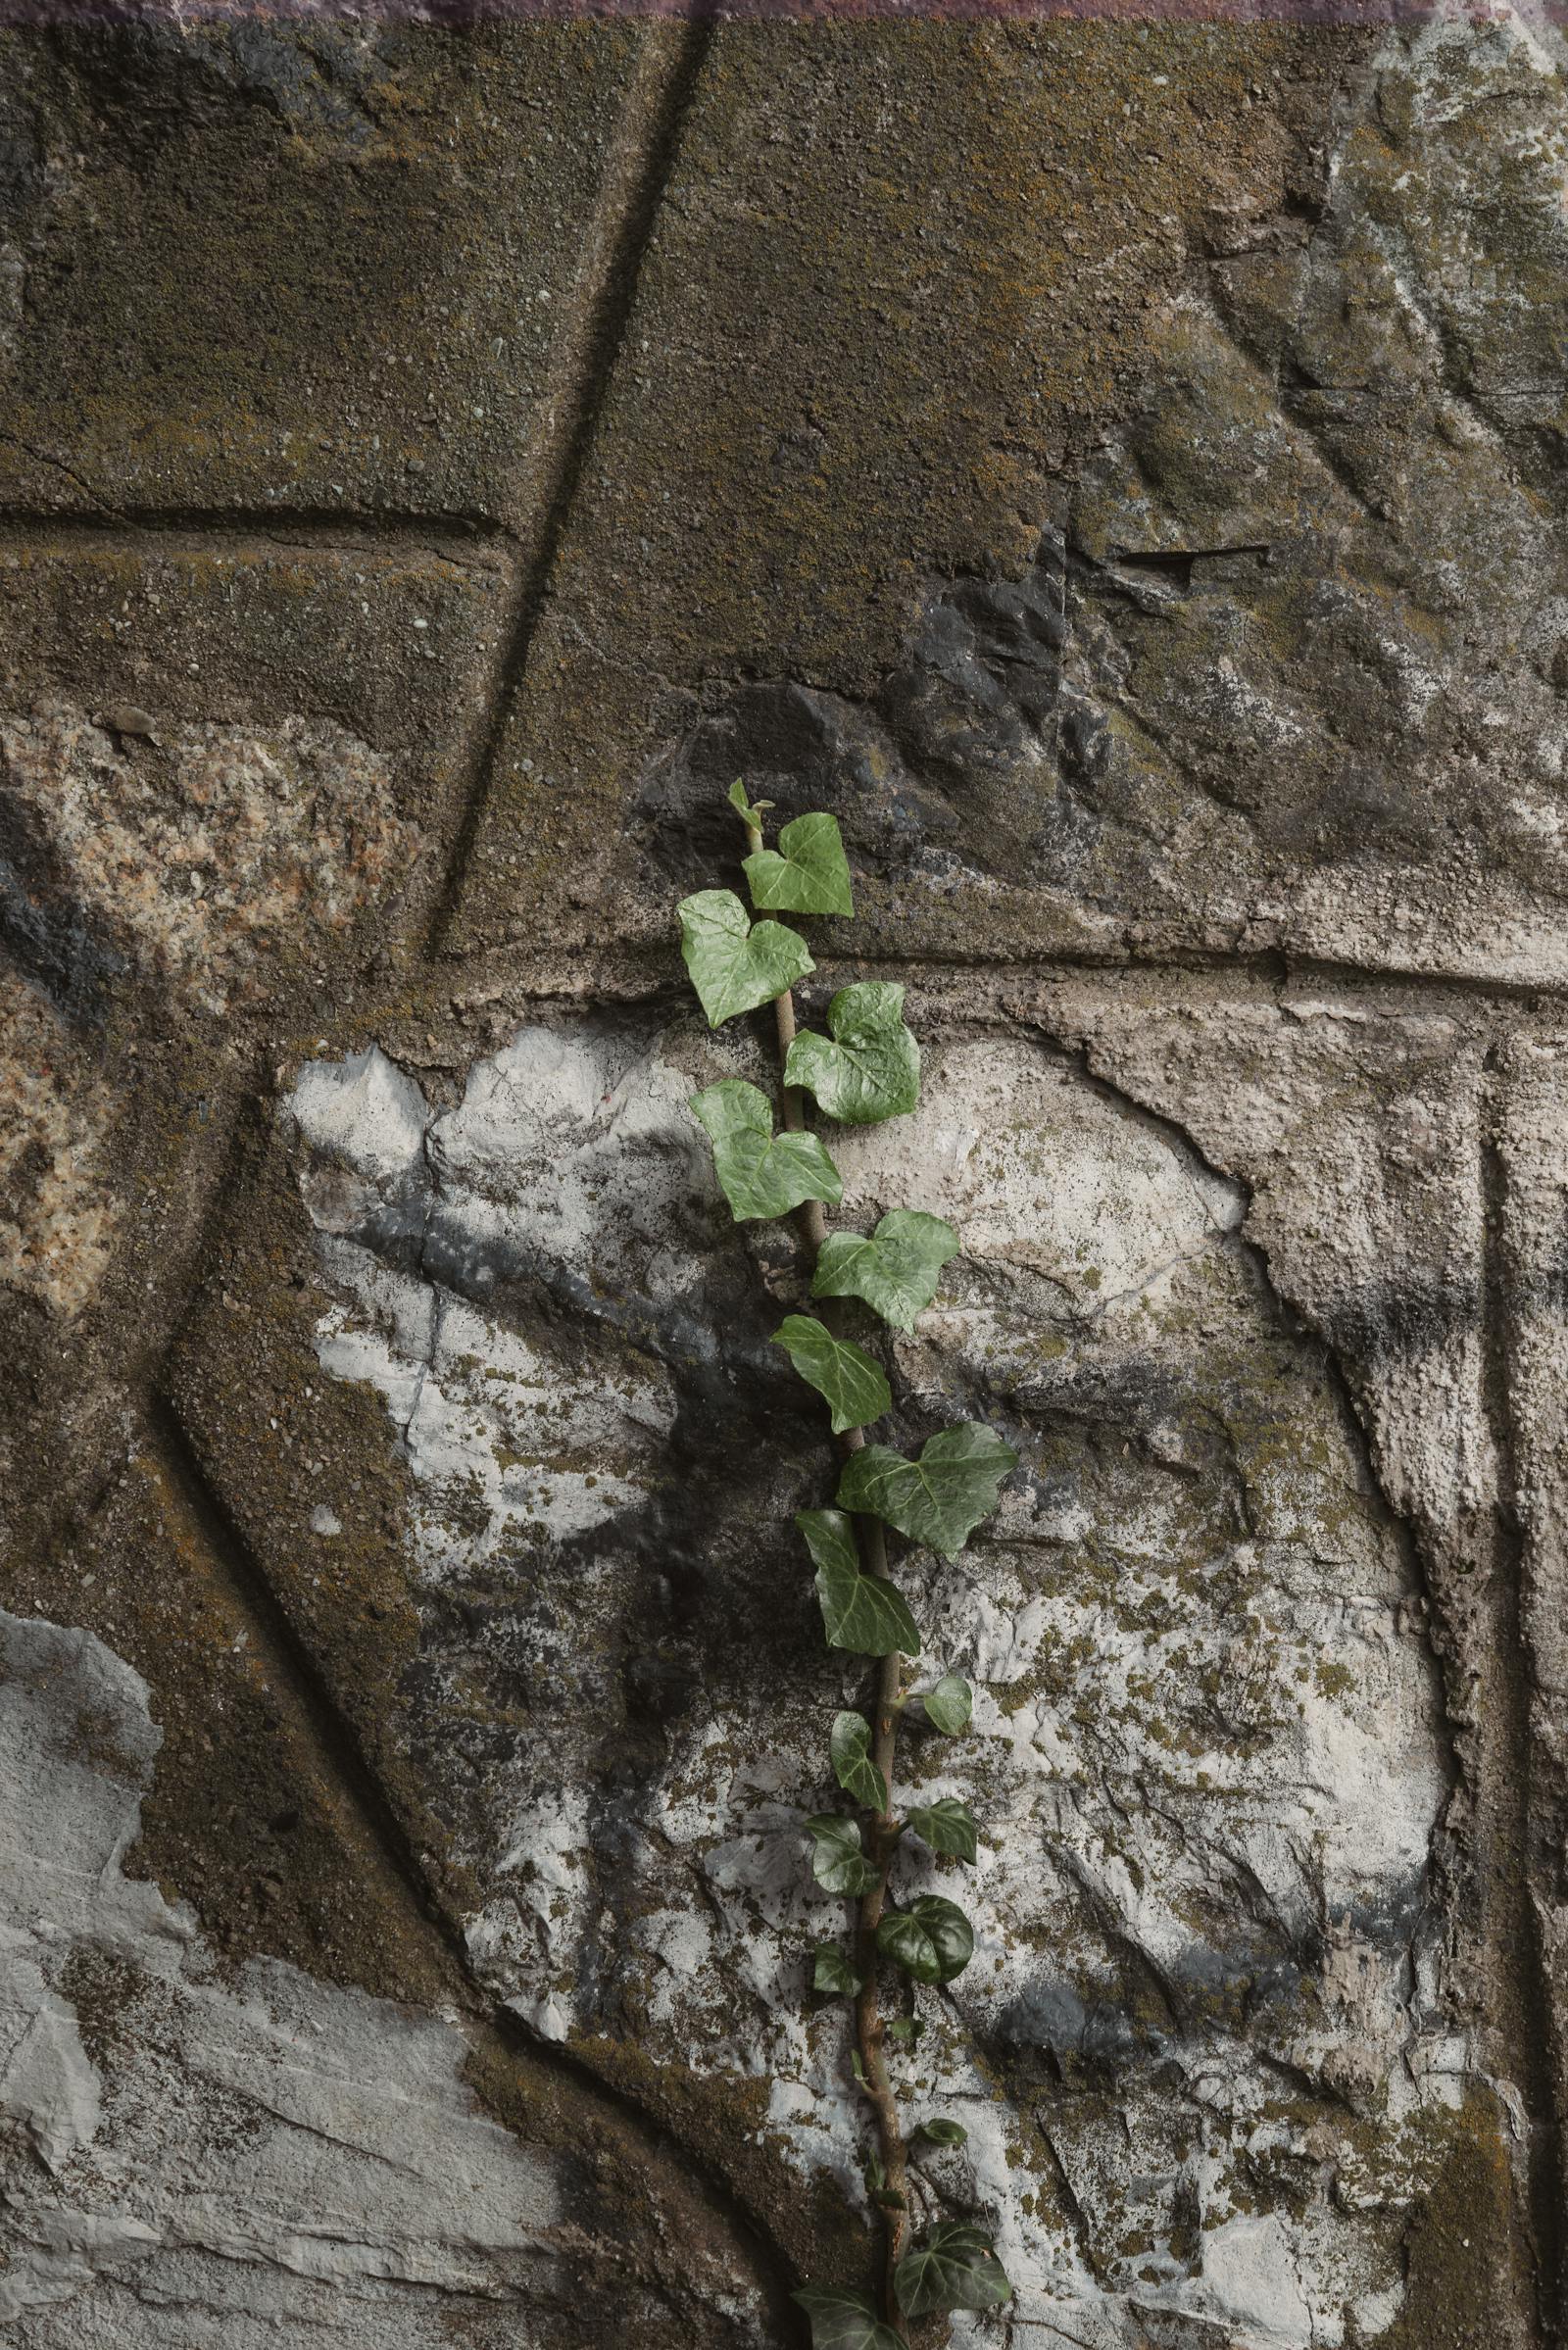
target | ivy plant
x=866, y=1068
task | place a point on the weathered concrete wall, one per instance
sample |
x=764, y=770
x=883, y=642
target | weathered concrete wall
x=1119, y=468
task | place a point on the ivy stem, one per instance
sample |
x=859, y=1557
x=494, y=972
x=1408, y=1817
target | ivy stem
x=870, y=2031
x=813, y=1221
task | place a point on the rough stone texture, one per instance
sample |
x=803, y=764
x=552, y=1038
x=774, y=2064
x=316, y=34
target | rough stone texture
x=922, y=266
x=196, y=2160
x=200, y=861
x=60, y=1208
x=365, y=322
x=1119, y=468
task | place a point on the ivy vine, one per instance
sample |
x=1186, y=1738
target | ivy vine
x=866, y=1068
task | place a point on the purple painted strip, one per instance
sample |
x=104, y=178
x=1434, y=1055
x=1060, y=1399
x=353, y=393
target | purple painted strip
x=456, y=14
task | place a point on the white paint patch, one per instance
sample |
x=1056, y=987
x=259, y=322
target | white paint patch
x=46, y=2083
x=364, y=1111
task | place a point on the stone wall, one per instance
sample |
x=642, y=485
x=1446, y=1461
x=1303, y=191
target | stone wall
x=1119, y=468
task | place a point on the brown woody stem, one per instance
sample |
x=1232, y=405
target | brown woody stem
x=870, y=2031
x=869, y=2028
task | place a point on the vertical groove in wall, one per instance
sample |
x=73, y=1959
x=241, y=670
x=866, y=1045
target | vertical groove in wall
x=1515, y=1948
x=293, y=1675
x=583, y=362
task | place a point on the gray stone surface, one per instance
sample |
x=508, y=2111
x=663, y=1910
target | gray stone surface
x=1118, y=469
x=198, y=2161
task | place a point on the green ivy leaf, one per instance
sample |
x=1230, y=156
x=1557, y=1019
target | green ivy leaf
x=953, y=2269
x=762, y=1174
x=949, y=1705
x=903, y=1940
x=905, y=2028
x=872, y=1068
x=853, y=1384
x=932, y=1939
x=946, y=1826
x=832, y=1972
x=807, y=874
x=944, y=2134
x=747, y=810
x=861, y=1613
x=837, y=1862
x=843, y=2320
x=940, y=1498
x=895, y=1270
x=849, y=1747
x=735, y=965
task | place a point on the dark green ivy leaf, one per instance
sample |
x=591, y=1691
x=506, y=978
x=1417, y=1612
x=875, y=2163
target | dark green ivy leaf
x=832, y=1972
x=851, y=1749
x=734, y=964
x=762, y=1174
x=871, y=1070
x=895, y=1270
x=861, y=1613
x=953, y=2269
x=907, y=2029
x=938, y=1499
x=944, y=2134
x=853, y=1384
x=903, y=1939
x=807, y=874
x=843, y=2320
x=932, y=1939
x=950, y=1704
x=946, y=1826
x=837, y=1862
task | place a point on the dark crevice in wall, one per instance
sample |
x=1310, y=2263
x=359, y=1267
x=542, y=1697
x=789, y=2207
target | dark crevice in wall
x=289, y=1666
x=79, y=1477
x=1519, y=1960
x=639, y=973
x=582, y=369
x=451, y=535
